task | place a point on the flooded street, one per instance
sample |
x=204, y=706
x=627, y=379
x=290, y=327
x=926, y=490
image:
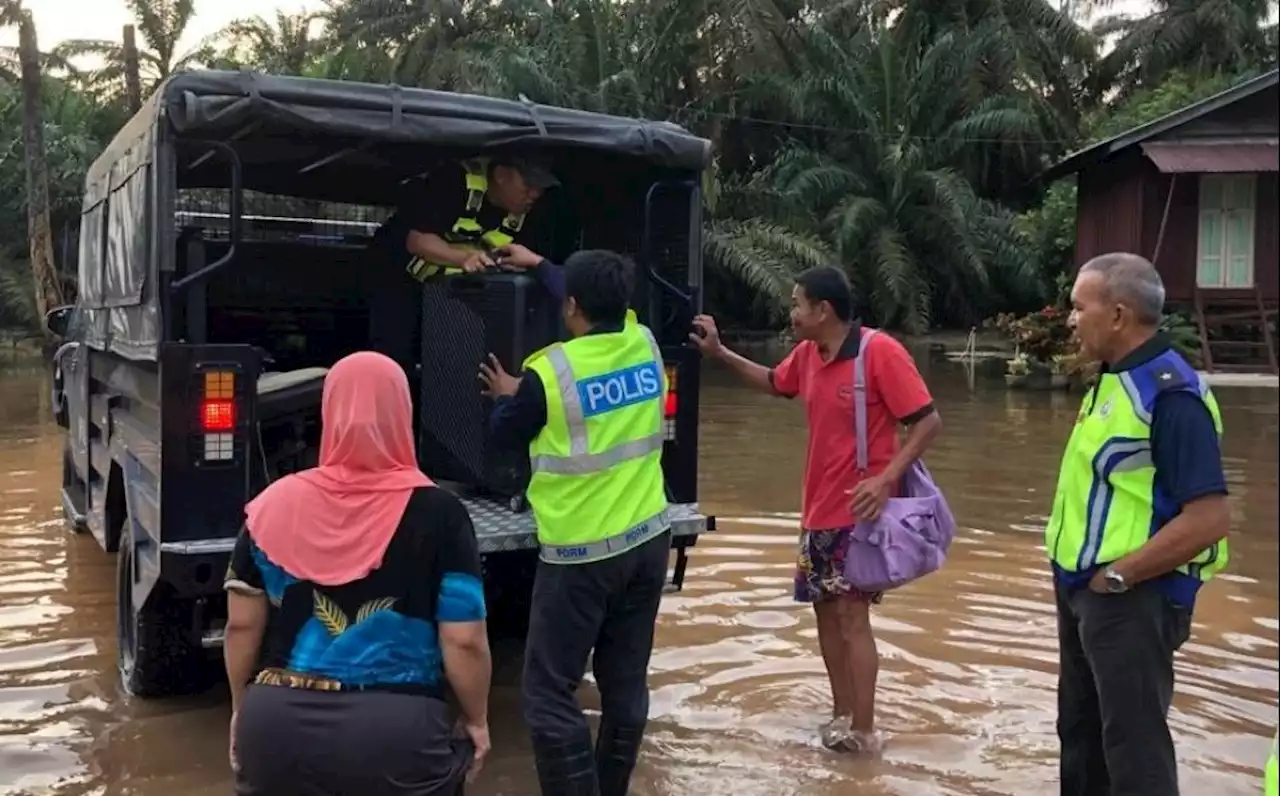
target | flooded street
x=969, y=654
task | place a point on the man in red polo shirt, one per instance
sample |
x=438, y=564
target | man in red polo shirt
x=819, y=370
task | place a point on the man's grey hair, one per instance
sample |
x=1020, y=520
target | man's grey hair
x=1133, y=281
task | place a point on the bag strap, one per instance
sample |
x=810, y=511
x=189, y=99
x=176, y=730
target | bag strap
x=860, y=398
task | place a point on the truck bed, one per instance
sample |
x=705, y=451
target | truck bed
x=500, y=530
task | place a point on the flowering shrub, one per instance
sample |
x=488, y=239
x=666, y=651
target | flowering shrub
x=1041, y=339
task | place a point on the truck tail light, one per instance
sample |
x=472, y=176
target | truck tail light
x=671, y=407
x=218, y=415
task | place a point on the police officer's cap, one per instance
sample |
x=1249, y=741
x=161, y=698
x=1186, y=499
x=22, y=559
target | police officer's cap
x=536, y=169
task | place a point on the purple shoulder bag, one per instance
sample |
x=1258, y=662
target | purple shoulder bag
x=911, y=536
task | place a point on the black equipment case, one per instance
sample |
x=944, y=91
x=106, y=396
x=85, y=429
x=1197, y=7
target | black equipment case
x=466, y=317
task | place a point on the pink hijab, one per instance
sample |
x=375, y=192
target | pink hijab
x=331, y=524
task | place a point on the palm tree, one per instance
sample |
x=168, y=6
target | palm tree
x=755, y=238
x=286, y=46
x=880, y=126
x=1037, y=50
x=47, y=288
x=1204, y=36
x=11, y=12
x=162, y=24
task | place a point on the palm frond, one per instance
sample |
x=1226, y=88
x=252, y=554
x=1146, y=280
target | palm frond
x=763, y=256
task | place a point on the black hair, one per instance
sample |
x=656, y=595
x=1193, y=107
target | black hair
x=828, y=283
x=601, y=282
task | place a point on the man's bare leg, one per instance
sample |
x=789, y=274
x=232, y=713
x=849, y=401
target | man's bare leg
x=863, y=660
x=831, y=642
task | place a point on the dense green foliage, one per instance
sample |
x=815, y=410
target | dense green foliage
x=899, y=138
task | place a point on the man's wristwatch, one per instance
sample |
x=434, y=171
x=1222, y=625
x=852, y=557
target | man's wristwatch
x=1115, y=581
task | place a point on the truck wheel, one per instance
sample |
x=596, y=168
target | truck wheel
x=154, y=650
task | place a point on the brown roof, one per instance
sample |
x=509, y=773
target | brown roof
x=1101, y=151
x=1206, y=157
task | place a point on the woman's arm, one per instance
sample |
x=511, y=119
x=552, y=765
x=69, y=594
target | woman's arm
x=246, y=624
x=247, y=612
x=468, y=667
x=460, y=619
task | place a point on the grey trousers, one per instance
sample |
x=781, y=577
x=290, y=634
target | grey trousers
x=1115, y=685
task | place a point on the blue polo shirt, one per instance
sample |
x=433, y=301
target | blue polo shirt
x=1188, y=464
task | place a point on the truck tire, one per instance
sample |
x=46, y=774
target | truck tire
x=155, y=653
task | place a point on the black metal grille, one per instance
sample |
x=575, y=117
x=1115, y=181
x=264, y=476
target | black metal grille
x=463, y=320
x=269, y=217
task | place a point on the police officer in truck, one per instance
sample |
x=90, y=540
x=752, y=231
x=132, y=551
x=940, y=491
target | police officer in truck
x=455, y=221
x=591, y=411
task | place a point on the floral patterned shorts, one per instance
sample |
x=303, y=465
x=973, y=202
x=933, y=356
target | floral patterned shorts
x=820, y=568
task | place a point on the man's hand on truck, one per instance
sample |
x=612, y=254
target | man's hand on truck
x=497, y=382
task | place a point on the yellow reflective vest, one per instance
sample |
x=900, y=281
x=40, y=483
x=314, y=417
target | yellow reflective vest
x=597, y=488
x=1271, y=783
x=1106, y=502
x=467, y=232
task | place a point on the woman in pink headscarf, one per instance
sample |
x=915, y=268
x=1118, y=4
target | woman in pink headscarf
x=353, y=598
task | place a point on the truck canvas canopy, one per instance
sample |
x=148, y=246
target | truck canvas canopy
x=355, y=142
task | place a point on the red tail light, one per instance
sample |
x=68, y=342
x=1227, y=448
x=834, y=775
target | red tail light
x=672, y=402
x=218, y=416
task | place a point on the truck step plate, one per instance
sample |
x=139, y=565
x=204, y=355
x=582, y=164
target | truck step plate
x=501, y=530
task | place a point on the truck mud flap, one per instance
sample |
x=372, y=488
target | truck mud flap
x=680, y=546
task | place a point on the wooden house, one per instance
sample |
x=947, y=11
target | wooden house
x=1195, y=192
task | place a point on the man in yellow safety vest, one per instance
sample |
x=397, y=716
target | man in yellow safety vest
x=1139, y=523
x=461, y=218
x=591, y=412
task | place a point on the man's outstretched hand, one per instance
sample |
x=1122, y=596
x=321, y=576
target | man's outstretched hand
x=513, y=255
x=497, y=382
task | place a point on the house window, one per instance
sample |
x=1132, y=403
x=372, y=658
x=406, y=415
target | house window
x=1225, y=258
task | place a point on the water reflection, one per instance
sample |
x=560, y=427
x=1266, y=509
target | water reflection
x=967, y=683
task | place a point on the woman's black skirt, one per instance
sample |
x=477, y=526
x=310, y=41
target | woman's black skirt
x=295, y=742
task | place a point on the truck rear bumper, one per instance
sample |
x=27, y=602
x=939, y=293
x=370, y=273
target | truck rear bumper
x=498, y=530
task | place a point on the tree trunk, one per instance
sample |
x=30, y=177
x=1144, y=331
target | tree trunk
x=48, y=288
x=132, y=74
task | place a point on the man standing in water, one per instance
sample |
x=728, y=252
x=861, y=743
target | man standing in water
x=820, y=369
x=1139, y=523
x=590, y=411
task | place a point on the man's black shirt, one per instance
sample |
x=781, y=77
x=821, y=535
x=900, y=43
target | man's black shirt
x=431, y=205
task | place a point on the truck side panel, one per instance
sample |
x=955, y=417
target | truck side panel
x=113, y=407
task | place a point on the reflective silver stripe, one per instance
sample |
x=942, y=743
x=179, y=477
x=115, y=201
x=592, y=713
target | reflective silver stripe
x=1116, y=456
x=580, y=460
x=632, y=537
x=199, y=547
x=589, y=463
x=568, y=386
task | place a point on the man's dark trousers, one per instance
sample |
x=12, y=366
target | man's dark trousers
x=1115, y=685
x=611, y=606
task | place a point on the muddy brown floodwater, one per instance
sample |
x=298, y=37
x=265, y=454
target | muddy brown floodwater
x=967, y=681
